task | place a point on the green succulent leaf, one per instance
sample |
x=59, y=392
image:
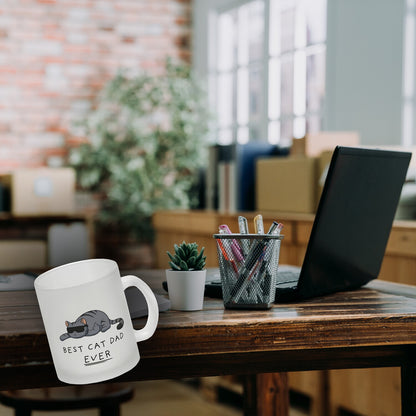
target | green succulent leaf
x=201, y=264
x=191, y=262
x=181, y=253
x=187, y=257
x=174, y=266
x=183, y=265
x=200, y=254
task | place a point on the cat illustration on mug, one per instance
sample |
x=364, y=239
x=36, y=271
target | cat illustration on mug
x=90, y=323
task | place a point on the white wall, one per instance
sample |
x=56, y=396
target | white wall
x=364, y=65
x=364, y=68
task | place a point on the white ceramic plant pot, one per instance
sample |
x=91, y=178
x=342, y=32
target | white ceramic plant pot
x=186, y=289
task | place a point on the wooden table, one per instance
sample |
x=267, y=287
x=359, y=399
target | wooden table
x=371, y=327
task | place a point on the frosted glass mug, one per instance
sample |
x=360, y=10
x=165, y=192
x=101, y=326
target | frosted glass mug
x=87, y=320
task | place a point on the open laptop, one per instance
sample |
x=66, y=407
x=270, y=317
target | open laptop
x=351, y=228
x=352, y=224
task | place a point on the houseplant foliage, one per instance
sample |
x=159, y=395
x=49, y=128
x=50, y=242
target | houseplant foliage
x=186, y=257
x=146, y=142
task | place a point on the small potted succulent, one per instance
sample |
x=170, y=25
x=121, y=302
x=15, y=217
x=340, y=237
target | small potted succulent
x=186, y=277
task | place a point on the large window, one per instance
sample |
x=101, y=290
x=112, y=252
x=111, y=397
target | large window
x=266, y=69
x=409, y=104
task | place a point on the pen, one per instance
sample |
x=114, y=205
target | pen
x=243, y=227
x=235, y=247
x=258, y=224
x=264, y=269
x=259, y=245
x=224, y=253
x=244, y=271
x=248, y=276
x=275, y=228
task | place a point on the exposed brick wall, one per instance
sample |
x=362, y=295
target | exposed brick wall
x=56, y=54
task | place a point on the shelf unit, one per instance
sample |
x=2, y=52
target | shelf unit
x=23, y=238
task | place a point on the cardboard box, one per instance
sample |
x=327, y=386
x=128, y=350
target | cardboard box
x=313, y=144
x=22, y=255
x=286, y=184
x=322, y=170
x=41, y=191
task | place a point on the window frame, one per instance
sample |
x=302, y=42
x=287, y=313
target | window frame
x=205, y=63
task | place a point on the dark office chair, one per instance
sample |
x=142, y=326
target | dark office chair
x=106, y=397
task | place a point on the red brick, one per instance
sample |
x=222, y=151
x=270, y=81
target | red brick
x=87, y=41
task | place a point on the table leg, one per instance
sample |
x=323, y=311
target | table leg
x=266, y=395
x=408, y=379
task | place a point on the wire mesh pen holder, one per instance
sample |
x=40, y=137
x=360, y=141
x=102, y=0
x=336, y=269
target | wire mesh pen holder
x=248, y=268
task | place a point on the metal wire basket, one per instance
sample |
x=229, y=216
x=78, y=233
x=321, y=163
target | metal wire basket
x=248, y=268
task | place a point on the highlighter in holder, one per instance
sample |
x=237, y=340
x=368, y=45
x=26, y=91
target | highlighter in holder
x=258, y=224
x=243, y=227
x=235, y=247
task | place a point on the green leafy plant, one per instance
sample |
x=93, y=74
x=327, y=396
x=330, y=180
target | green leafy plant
x=186, y=257
x=145, y=146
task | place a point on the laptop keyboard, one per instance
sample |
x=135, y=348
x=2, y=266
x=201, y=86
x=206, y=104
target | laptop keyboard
x=287, y=275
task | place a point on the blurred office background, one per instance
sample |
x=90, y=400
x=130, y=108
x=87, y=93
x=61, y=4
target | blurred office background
x=276, y=69
x=273, y=71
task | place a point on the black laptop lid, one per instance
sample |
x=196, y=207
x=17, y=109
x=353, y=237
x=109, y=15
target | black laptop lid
x=353, y=220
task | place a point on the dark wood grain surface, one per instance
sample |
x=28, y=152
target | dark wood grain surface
x=373, y=326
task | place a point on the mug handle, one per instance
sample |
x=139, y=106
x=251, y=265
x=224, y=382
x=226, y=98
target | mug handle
x=153, y=309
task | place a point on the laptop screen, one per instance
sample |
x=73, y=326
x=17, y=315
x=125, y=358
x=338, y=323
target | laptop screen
x=353, y=220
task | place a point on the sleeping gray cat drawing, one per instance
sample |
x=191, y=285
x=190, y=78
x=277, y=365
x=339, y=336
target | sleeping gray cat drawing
x=90, y=323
